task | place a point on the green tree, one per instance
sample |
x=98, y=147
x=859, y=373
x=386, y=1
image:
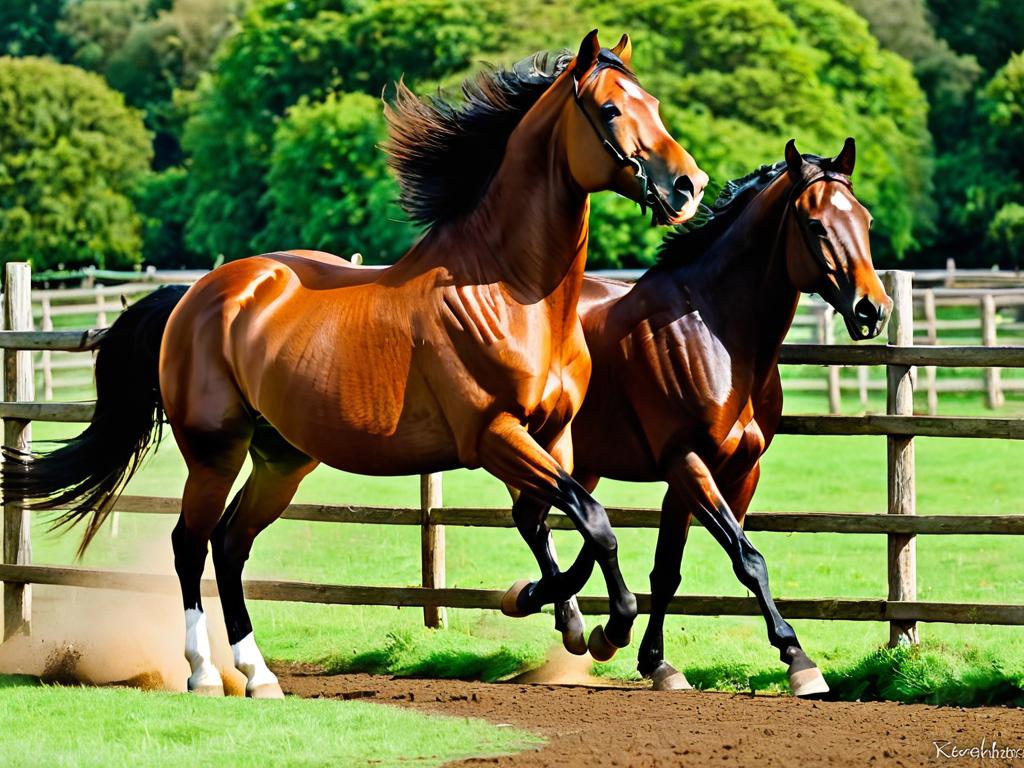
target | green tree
x=329, y=187
x=70, y=152
x=949, y=78
x=96, y=29
x=989, y=30
x=289, y=49
x=29, y=28
x=737, y=79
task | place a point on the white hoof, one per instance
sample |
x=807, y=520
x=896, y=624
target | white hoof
x=807, y=682
x=206, y=681
x=665, y=677
x=260, y=682
x=265, y=691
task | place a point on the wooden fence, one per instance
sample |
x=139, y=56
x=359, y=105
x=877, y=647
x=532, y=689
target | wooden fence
x=900, y=524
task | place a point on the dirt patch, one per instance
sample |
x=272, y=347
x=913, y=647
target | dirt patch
x=637, y=728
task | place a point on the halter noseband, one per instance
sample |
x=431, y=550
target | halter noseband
x=608, y=60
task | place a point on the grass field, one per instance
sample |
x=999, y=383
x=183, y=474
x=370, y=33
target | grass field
x=956, y=663
x=110, y=728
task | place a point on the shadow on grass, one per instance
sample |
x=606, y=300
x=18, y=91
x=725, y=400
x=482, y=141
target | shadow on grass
x=16, y=681
x=448, y=655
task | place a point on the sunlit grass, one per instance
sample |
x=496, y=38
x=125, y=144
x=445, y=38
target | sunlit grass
x=110, y=727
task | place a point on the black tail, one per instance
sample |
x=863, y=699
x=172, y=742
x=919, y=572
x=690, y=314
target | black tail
x=90, y=471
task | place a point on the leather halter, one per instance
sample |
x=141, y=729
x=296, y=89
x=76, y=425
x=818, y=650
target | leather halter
x=811, y=243
x=608, y=60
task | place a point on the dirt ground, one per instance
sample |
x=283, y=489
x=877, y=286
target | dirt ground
x=631, y=727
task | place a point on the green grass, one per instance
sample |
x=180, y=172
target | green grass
x=109, y=727
x=841, y=474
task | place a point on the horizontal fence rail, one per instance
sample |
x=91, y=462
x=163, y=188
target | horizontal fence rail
x=899, y=524
x=853, y=609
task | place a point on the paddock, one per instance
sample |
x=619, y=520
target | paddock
x=899, y=425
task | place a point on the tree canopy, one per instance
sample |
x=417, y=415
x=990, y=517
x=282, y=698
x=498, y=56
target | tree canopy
x=265, y=115
x=70, y=154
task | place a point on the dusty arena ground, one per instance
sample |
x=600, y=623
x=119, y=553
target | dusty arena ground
x=632, y=728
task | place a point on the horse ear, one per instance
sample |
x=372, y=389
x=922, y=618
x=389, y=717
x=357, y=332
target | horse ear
x=843, y=162
x=624, y=50
x=794, y=160
x=585, y=59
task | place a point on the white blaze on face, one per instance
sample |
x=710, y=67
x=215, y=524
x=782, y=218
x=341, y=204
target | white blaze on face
x=631, y=88
x=841, y=201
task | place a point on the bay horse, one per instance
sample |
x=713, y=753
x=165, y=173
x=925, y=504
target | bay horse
x=467, y=352
x=685, y=385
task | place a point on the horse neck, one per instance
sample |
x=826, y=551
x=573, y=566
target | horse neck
x=747, y=279
x=530, y=229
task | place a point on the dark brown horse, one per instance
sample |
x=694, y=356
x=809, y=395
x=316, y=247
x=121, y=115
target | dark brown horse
x=467, y=352
x=685, y=386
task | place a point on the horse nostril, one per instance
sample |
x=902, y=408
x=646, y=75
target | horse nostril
x=866, y=311
x=683, y=186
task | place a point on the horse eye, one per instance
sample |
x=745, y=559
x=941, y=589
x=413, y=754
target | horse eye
x=817, y=228
x=609, y=111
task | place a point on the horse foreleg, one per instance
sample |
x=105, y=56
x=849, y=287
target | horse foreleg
x=665, y=578
x=510, y=453
x=689, y=477
x=263, y=498
x=530, y=516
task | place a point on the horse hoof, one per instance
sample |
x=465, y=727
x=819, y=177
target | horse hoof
x=807, y=682
x=510, y=600
x=665, y=677
x=574, y=643
x=266, y=691
x=600, y=647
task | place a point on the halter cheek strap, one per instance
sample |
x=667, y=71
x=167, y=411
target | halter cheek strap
x=647, y=196
x=811, y=245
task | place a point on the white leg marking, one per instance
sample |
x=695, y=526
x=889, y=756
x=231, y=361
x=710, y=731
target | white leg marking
x=249, y=661
x=204, y=675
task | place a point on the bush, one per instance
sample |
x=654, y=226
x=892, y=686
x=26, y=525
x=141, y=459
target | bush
x=70, y=152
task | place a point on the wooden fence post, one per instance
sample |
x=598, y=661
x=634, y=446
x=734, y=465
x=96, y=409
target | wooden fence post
x=932, y=338
x=993, y=380
x=19, y=380
x=432, y=548
x=828, y=336
x=902, y=493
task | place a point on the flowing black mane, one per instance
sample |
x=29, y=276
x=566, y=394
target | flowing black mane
x=445, y=154
x=689, y=241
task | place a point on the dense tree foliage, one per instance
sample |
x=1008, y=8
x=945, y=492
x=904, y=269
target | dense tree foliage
x=70, y=152
x=264, y=115
x=29, y=28
x=738, y=78
x=328, y=186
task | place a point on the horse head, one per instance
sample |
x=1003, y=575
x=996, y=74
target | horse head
x=616, y=139
x=828, y=245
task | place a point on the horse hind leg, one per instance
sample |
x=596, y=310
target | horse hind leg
x=206, y=489
x=278, y=468
x=665, y=579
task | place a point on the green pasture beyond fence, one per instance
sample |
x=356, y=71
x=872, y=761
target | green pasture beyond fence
x=899, y=524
